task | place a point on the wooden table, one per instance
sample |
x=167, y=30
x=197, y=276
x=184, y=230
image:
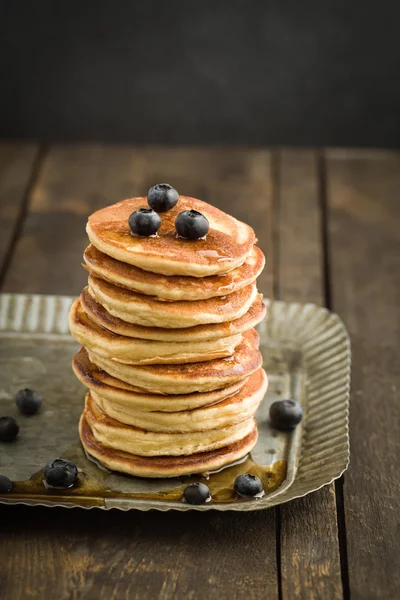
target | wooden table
x=328, y=222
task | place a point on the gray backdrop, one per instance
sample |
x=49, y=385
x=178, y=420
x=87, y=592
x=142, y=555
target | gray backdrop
x=252, y=72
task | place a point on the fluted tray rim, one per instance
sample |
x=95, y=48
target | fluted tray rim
x=313, y=472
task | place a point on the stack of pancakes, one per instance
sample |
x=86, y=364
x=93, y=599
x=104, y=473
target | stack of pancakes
x=170, y=356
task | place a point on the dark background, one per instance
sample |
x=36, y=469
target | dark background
x=242, y=72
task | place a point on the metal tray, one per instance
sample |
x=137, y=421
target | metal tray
x=306, y=354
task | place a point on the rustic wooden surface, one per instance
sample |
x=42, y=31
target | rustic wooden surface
x=328, y=223
x=364, y=250
x=17, y=173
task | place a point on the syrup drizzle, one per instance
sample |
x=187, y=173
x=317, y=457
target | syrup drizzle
x=92, y=490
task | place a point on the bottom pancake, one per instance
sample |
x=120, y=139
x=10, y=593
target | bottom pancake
x=165, y=466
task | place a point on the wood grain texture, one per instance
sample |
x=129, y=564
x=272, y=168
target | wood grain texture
x=310, y=561
x=101, y=556
x=16, y=166
x=74, y=554
x=74, y=181
x=364, y=236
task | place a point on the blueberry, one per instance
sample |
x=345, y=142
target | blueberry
x=144, y=222
x=5, y=485
x=28, y=401
x=285, y=414
x=9, y=429
x=248, y=485
x=191, y=224
x=162, y=197
x=197, y=493
x=60, y=473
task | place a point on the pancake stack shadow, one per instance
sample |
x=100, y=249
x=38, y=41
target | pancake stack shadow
x=169, y=351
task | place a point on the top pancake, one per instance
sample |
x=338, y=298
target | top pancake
x=173, y=288
x=227, y=243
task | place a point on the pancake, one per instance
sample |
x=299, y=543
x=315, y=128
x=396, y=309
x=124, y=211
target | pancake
x=189, y=378
x=99, y=315
x=226, y=246
x=113, y=434
x=149, y=312
x=173, y=288
x=234, y=409
x=165, y=466
x=129, y=397
x=144, y=352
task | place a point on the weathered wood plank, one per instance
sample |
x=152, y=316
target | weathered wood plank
x=74, y=181
x=100, y=555
x=310, y=561
x=364, y=235
x=16, y=166
x=97, y=556
x=300, y=245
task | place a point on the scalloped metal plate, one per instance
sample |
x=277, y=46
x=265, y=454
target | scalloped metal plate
x=306, y=353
